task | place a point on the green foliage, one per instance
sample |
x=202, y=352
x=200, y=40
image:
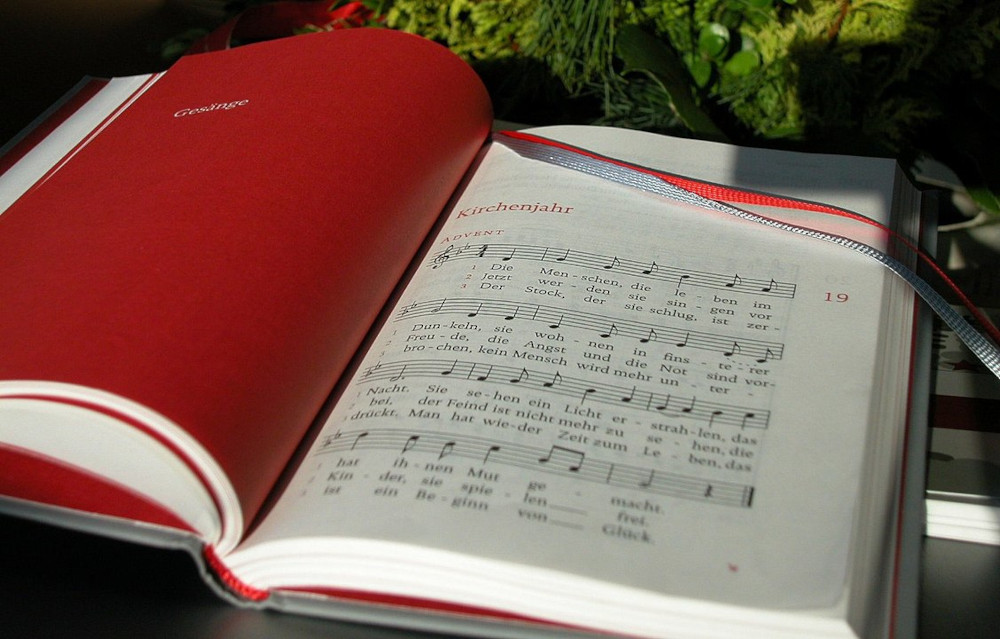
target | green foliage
x=890, y=77
x=642, y=52
x=476, y=30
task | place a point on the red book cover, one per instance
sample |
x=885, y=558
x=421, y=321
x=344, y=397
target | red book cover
x=219, y=251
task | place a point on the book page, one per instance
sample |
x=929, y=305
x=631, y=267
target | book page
x=595, y=381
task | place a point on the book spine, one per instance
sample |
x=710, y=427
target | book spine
x=230, y=581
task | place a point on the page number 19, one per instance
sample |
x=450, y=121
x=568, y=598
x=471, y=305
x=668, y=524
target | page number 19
x=839, y=298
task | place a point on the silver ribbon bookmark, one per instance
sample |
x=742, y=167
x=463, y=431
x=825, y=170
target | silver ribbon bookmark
x=621, y=173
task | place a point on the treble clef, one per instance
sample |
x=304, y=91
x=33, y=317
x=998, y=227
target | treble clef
x=442, y=257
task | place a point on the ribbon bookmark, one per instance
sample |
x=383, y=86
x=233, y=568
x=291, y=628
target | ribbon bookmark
x=717, y=198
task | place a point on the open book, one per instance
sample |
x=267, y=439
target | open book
x=289, y=307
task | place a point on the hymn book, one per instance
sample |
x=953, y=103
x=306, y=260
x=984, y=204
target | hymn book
x=367, y=363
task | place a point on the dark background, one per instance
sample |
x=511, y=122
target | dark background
x=58, y=583
x=47, y=46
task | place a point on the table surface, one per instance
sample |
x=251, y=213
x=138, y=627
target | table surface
x=60, y=583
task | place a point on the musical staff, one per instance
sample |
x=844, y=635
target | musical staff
x=577, y=389
x=557, y=460
x=601, y=325
x=649, y=269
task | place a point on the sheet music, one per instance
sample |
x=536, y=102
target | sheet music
x=593, y=380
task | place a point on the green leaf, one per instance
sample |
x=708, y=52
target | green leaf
x=713, y=40
x=742, y=63
x=985, y=198
x=644, y=53
x=701, y=72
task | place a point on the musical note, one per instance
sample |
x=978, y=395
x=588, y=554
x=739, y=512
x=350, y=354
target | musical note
x=514, y=314
x=398, y=375
x=769, y=287
x=653, y=267
x=650, y=337
x=510, y=256
x=646, y=483
x=545, y=254
x=483, y=377
x=614, y=262
x=450, y=370
x=734, y=350
x=446, y=450
x=476, y=312
x=559, y=323
x=737, y=280
x=410, y=443
x=663, y=406
x=556, y=379
x=684, y=342
x=587, y=392
x=573, y=459
x=523, y=375
x=767, y=355
x=680, y=280
x=630, y=397
x=746, y=418
x=492, y=449
x=358, y=439
x=613, y=330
